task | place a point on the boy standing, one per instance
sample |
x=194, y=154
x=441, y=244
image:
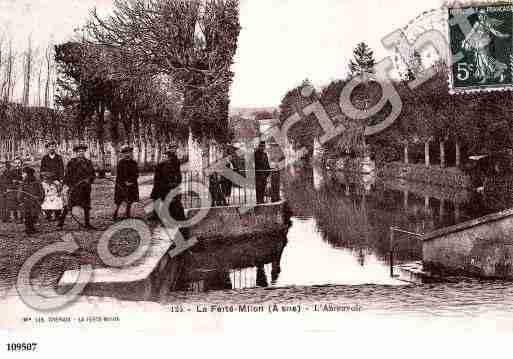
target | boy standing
x=31, y=197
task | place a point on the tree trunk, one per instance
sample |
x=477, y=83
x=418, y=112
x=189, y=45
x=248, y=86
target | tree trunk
x=138, y=145
x=145, y=152
x=159, y=151
x=114, y=135
x=205, y=153
x=406, y=157
x=426, y=153
x=442, y=154
x=458, y=155
x=101, y=139
x=153, y=148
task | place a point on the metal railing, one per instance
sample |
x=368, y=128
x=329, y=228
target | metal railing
x=393, y=230
x=223, y=192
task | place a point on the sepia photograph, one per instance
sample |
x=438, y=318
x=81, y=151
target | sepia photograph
x=240, y=167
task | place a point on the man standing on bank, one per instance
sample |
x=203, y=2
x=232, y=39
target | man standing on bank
x=262, y=170
x=78, y=178
x=52, y=167
x=127, y=189
x=167, y=178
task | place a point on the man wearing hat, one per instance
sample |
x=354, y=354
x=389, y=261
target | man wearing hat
x=262, y=171
x=127, y=189
x=79, y=177
x=167, y=178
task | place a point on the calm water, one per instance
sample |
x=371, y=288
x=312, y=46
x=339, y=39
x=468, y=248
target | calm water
x=340, y=233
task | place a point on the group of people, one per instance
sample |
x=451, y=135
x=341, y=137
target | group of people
x=61, y=188
x=57, y=190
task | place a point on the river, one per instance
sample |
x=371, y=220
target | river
x=340, y=233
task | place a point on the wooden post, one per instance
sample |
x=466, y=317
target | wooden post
x=457, y=212
x=458, y=154
x=405, y=202
x=426, y=153
x=442, y=154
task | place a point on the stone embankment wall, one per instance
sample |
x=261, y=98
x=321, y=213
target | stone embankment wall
x=232, y=222
x=435, y=175
x=482, y=247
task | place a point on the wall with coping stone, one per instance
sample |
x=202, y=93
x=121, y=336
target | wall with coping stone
x=229, y=222
x=450, y=177
x=482, y=247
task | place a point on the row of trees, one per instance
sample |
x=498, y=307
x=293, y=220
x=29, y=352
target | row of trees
x=153, y=71
x=162, y=67
x=472, y=123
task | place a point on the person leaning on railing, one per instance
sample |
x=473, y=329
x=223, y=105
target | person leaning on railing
x=262, y=171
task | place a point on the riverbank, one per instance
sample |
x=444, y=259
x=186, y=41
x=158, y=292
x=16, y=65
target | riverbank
x=16, y=247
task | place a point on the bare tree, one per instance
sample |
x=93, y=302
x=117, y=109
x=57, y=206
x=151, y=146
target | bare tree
x=40, y=72
x=10, y=74
x=27, y=71
x=49, y=73
x=191, y=41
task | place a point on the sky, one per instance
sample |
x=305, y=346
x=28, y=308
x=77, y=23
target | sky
x=282, y=42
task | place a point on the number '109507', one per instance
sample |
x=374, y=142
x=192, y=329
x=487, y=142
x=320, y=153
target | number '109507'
x=21, y=347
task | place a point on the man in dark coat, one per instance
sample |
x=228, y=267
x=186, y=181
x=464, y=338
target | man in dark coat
x=79, y=178
x=13, y=182
x=31, y=197
x=262, y=170
x=52, y=163
x=226, y=184
x=127, y=188
x=167, y=178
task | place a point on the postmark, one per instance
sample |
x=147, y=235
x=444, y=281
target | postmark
x=481, y=58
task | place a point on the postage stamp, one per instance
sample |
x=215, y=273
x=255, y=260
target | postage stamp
x=481, y=53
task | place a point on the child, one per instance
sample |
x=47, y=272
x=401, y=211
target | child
x=53, y=203
x=31, y=197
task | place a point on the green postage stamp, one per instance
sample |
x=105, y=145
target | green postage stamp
x=481, y=53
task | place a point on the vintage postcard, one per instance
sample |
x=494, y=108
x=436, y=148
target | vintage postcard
x=254, y=171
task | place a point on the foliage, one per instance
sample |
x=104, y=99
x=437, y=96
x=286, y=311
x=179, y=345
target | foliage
x=303, y=133
x=363, y=63
x=192, y=42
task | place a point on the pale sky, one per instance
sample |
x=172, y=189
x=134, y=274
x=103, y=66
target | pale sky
x=282, y=41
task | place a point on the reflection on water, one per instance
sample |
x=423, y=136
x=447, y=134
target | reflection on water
x=310, y=260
